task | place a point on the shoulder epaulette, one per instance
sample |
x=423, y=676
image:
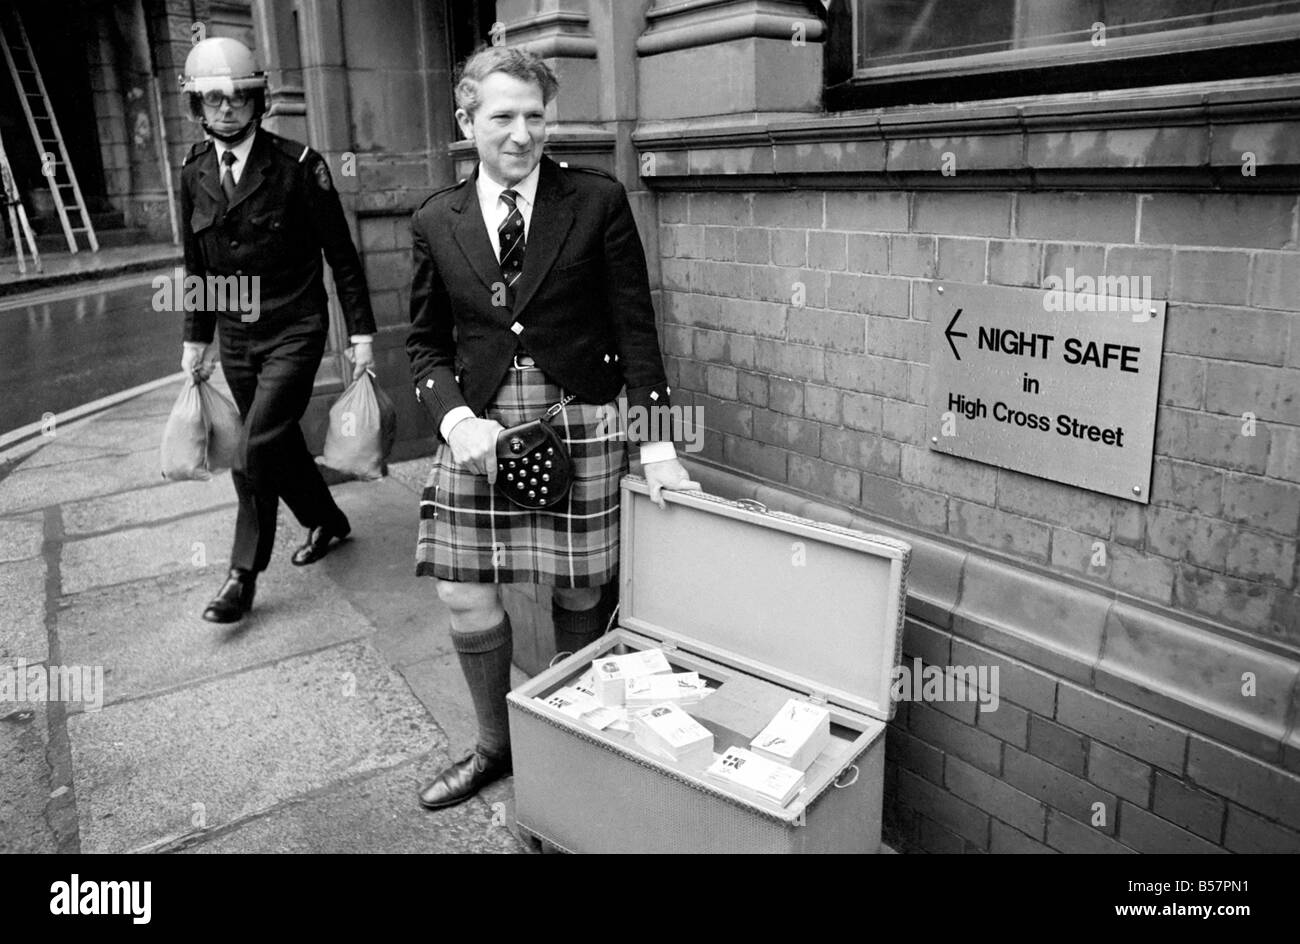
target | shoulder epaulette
x=295, y=150
x=591, y=170
x=200, y=148
x=438, y=193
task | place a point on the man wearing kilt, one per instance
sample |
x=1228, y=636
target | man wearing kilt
x=529, y=285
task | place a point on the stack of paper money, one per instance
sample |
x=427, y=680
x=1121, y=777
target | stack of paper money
x=680, y=688
x=667, y=730
x=609, y=673
x=756, y=777
x=580, y=706
x=795, y=737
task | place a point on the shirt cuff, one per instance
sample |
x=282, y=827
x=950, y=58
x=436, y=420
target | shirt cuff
x=657, y=452
x=362, y=338
x=195, y=346
x=453, y=417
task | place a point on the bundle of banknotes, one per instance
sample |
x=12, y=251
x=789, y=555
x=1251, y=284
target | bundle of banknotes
x=672, y=733
x=756, y=777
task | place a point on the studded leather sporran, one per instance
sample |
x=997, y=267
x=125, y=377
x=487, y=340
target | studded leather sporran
x=534, y=469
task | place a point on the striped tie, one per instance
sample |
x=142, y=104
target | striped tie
x=511, y=235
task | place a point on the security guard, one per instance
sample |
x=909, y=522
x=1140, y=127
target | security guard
x=262, y=209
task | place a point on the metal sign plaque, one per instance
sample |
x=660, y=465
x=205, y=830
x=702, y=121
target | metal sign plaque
x=1055, y=383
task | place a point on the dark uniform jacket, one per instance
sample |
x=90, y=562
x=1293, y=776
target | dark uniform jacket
x=285, y=211
x=582, y=300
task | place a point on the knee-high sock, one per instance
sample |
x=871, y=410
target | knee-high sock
x=485, y=660
x=577, y=628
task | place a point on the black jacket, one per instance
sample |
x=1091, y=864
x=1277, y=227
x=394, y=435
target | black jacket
x=284, y=213
x=583, y=297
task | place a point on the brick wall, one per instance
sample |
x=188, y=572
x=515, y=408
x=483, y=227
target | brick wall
x=792, y=318
x=1059, y=768
x=828, y=396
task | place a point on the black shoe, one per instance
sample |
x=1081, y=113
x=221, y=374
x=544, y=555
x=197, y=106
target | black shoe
x=318, y=540
x=463, y=779
x=234, y=599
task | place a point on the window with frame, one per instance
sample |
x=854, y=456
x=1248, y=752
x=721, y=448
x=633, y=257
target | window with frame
x=469, y=26
x=882, y=52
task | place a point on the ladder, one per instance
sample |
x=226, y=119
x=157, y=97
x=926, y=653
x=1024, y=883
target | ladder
x=18, y=224
x=30, y=88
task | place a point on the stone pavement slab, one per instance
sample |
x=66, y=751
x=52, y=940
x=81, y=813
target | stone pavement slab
x=145, y=505
x=24, y=779
x=115, y=433
x=63, y=268
x=149, y=635
x=376, y=569
x=411, y=473
x=28, y=489
x=21, y=536
x=22, y=611
x=153, y=770
x=192, y=543
x=440, y=685
x=149, y=407
x=375, y=814
x=55, y=451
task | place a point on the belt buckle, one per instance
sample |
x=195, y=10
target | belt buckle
x=524, y=362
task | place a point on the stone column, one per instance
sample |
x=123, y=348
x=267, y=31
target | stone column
x=277, y=53
x=729, y=57
x=323, y=121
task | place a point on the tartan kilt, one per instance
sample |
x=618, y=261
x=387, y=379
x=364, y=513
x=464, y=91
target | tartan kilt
x=469, y=533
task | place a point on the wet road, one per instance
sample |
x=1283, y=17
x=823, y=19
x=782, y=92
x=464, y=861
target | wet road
x=62, y=348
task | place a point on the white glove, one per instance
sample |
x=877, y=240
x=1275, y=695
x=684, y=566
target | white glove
x=362, y=355
x=198, y=359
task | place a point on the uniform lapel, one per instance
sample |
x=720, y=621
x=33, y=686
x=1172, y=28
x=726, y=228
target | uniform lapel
x=259, y=159
x=552, y=217
x=471, y=235
x=208, y=177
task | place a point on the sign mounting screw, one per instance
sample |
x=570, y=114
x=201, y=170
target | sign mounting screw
x=1137, y=489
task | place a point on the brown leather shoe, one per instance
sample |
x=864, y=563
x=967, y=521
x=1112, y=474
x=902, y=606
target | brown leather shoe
x=318, y=541
x=234, y=599
x=463, y=779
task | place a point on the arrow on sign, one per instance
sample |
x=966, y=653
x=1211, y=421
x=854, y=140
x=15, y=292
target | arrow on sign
x=950, y=334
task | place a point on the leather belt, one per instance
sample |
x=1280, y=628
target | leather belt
x=524, y=362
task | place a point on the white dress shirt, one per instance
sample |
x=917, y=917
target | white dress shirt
x=495, y=210
x=241, y=150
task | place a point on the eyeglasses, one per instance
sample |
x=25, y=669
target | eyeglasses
x=237, y=99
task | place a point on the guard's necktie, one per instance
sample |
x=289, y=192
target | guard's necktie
x=511, y=237
x=228, y=176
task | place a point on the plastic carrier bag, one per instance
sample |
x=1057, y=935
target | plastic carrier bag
x=362, y=429
x=202, y=433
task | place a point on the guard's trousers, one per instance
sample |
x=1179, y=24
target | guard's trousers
x=271, y=366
